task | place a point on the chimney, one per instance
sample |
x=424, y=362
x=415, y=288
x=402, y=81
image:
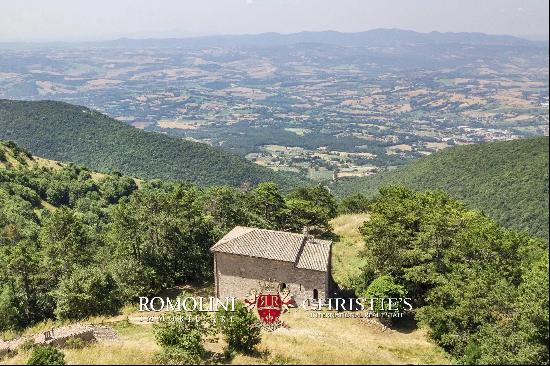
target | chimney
x=307, y=234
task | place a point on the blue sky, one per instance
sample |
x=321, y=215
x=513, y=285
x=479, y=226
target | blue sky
x=70, y=20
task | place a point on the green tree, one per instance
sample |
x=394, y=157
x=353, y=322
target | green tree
x=311, y=207
x=461, y=269
x=319, y=196
x=166, y=232
x=382, y=289
x=57, y=193
x=353, y=203
x=87, y=292
x=519, y=336
x=23, y=298
x=266, y=200
x=226, y=206
x=113, y=187
x=66, y=242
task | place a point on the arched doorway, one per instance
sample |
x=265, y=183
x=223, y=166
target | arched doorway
x=315, y=294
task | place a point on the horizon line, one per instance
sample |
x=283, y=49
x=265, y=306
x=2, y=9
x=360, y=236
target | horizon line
x=525, y=37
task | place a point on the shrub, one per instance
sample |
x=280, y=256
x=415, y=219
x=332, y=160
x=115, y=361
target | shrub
x=75, y=343
x=383, y=288
x=134, y=278
x=241, y=330
x=353, y=203
x=181, y=341
x=27, y=345
x=46, y=355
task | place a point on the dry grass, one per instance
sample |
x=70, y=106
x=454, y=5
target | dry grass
x=136, y=346
x=346, y=262
x=343, y=341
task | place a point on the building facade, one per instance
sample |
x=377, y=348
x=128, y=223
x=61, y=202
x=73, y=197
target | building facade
x=247, y=257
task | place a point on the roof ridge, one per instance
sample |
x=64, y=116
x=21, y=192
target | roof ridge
x=301, y=250
x=275, y=231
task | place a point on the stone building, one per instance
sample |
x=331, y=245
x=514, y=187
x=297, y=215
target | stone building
x=246, y=257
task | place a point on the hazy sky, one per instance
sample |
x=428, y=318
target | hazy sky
x=32, y=20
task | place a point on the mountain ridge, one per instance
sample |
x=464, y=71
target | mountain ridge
x=69, y=133
x=372, y=37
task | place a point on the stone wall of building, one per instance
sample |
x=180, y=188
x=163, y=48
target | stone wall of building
x=236, y=275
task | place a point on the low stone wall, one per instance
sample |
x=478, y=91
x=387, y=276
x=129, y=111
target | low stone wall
x=58, y=337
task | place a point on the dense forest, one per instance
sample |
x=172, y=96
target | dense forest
x=482, y=290
x=66, y=132
x=507, y=180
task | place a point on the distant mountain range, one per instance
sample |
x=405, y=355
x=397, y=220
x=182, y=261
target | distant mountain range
x=71, y=133
x=507, y=180
x=371, y=38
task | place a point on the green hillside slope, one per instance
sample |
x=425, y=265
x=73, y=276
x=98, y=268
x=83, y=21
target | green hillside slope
x=65, y=132
x=507, y=180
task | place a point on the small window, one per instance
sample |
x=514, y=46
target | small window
x=315, y=294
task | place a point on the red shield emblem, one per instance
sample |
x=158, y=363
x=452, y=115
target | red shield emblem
x=269, y=307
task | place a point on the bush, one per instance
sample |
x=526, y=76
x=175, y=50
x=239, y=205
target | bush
x=181, y=341
x=176, y=356
x=75, y=343
x=241, y=330
x=46, y=355
x=87, y=292
x=383, y=288
x=27, y=345
x=57, y=193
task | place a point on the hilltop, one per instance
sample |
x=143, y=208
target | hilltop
x=507, y=180
x=70, y=133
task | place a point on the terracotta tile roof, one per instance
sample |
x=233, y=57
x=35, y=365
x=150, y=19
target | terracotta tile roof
x=305, y=251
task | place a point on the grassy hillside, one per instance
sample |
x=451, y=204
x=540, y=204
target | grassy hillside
x=507, y=180
x=65, y=132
